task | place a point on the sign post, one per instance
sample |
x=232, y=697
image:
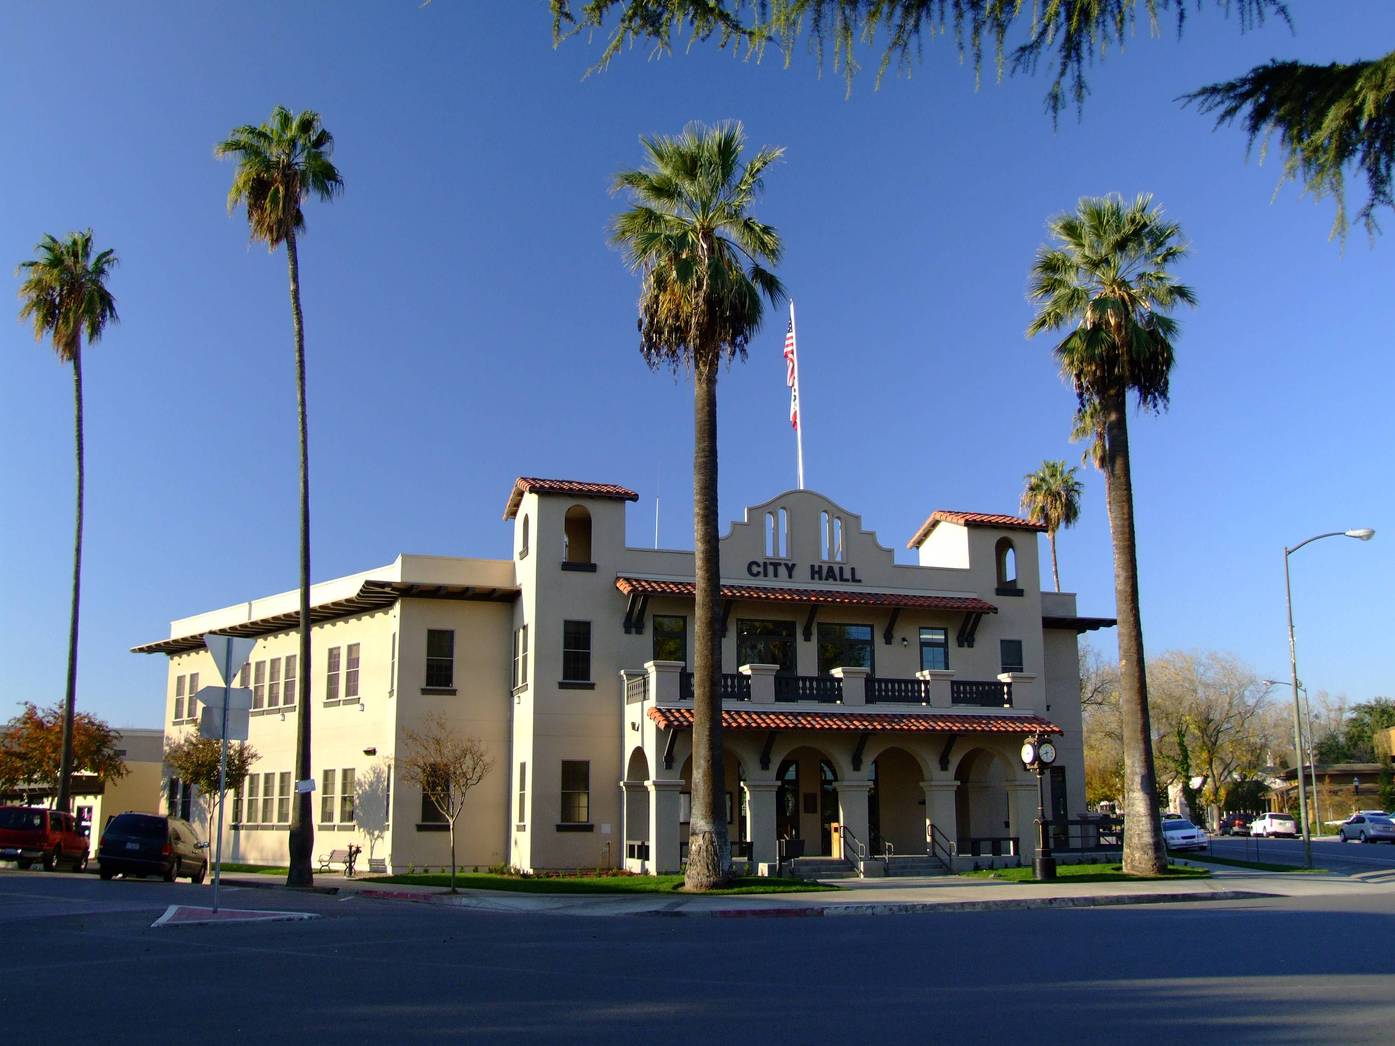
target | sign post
x=230, y=653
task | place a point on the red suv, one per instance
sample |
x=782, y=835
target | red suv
x=1235, y=824
x=33, y=833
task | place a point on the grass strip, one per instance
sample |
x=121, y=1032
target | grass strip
x=1086, y=873
x=257, y=869
x=596, y=884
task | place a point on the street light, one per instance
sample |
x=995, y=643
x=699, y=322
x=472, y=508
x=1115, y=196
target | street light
x=1362, y=534
x=1312, y=752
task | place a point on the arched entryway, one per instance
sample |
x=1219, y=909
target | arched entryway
x=806, y=799
x=636, y=787
x=982, y=805
x=734, y=795
x=896, y=803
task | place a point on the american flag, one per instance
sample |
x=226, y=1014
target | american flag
x=792, y=374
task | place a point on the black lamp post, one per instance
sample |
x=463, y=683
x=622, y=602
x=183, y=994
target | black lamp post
x=1037, y=755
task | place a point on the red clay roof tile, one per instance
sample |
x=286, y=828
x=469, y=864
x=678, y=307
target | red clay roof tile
x=823, y=596
x=849, y=720
x=526, y=484
x=971, y=519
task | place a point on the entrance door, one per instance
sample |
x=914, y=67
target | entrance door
x=828, y=805
x=787, y=801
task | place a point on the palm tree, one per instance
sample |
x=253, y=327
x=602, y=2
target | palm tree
x=702, y=256
x=279, y=165
x=1107, y=280
x=65, y=294
x=1052, y=498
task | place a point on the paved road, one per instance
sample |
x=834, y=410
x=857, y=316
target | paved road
x=1327, y=852
x=1316, y=969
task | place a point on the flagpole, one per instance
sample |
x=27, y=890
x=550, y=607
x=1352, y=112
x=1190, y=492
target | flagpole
x=799, y=422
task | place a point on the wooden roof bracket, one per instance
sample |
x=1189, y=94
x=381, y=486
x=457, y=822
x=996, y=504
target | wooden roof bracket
x=668, y=749
x=809, y=622
x=890, y=625
x=765, y=752
x=968, y=627
x=630, y=608
x=944, y=752
x=637, y=625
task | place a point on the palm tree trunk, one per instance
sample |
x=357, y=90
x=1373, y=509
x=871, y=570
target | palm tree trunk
x=1055, y=571
x=709, y=851
x=302, y=834
x=1143, y=845
x=65, y=766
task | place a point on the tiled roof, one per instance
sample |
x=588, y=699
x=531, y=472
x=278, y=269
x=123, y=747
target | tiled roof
x=849, y=720
x=526, y=484
x=823, y=596
x=970, y=519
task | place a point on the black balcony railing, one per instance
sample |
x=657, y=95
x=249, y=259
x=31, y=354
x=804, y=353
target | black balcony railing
x=897, y=691
x=824, y=689
x=990, y=693
x=735, y=686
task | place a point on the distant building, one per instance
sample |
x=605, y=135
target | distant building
x=887, y=699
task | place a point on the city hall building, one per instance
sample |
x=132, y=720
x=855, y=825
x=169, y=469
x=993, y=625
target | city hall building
x=869, y=708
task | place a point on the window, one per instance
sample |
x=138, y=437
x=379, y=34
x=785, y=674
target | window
x=520, y=657
x=288, y=683
x=670, y=638
x=191, y=708
x=1011, y=651
x=766, y=643
x=523, y=539
x=844, y=646
x=831, y=537
x=777, y=534
x=178, y=698
x=351, y=671
x=244, y=678
x=268, y=798
x=576, y=538
x=332, y=675
x=576, y=651
x=392, y=667
x=273, y=683
x=522, y=792
x=934, y=649
x=430, y=812
x=327, y=797
x=181, y=799
x=1006, y=557
x=346, y=795
x=283, y=799
x=576, y=791
x=440, y=657
x=251, y=807
x=259, y=685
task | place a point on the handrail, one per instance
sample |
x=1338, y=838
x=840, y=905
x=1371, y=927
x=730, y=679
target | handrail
x=853, y=845
x=941, y=847
x=888, y=852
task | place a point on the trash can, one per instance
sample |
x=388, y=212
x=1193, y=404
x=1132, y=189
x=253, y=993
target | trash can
x=836, y=835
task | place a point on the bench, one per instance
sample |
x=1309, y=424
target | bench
x=333, y=857
x=377, y=866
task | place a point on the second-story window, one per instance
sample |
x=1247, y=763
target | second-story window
x=520, y=657
x=1011, y=651
x=576, y=651
x=288, y=682
x=934, y=649
x=440, y=657
x=670, y=638
x=351, y=670
x=332, y=674
x=273, y=683
x=178, y=698
x=259, y=685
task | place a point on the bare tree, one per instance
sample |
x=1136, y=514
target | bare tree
x=445, y=766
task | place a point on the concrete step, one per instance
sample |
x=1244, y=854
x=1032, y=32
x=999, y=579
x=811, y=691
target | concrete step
x=822, y=868
x=907, y=865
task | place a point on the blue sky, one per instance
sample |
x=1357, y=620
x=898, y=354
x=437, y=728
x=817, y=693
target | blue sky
x=467, y=322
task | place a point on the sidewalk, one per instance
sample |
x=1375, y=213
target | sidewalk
x=858, y=896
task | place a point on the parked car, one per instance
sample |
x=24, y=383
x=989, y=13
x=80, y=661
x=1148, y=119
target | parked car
x=1274, y=824
x=34, y=833
x=1367, y=828
x=1180, y=834
x=152, y=844
x=1234, y=824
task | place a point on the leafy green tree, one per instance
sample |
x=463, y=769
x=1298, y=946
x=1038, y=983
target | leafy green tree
x=280, y=164
x=1052, y=498
x=1106, y=281
x=194, y=759
x=34, y=743
x=702, y=256
x=65, y=295
x=1353, y=740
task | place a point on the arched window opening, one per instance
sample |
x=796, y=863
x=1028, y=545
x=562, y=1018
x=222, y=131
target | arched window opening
x=770, y=534
x=523, y=539
x=823, y=535
x=784, y=535
x=576, y=538
x=1006, y=556
x=839, y=552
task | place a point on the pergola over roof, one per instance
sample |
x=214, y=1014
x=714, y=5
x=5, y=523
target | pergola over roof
x=1078, y=624
x=532, y=484
x=848, y=720
x=971, y=519
x=372, y=595
x=809, y=596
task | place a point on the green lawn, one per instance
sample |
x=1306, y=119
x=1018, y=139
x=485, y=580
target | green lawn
x=259, y=869
x=1259, y=866
x=1086, y=873
x=622, y=884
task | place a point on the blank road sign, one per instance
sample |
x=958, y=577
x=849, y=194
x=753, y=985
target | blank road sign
x=239, y=697
x=211, y=723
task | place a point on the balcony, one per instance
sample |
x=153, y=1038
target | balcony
x=735, y=687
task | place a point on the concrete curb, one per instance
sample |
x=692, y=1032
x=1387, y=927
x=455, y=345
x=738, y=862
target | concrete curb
x=1007, y=904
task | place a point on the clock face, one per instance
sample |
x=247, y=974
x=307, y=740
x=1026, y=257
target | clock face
x=1047, y=752
x=1029, y=753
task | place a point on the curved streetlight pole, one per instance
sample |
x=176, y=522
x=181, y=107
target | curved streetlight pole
x=1363, y=534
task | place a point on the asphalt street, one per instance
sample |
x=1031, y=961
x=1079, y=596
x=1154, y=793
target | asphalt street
x=1327, y=852
x=1315, y=969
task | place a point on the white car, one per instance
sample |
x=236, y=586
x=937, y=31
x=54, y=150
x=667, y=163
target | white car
x=1367, y=828
x=1274, y=824
x=1180, y=834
